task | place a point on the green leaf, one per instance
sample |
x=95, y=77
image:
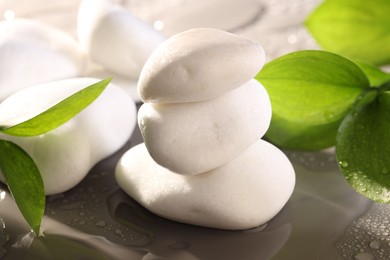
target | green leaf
x=59, y=113
x=24, y=182
x=363, y=148
x=310, y=92
x=354, y=28
x=374, y=74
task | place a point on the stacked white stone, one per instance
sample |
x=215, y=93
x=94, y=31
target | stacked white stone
x=203, y=161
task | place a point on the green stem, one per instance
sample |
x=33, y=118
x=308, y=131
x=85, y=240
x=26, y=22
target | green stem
x=366, y=97
x=384, y=87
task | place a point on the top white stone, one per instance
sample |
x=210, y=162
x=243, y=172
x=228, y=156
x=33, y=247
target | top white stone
x=197, y=65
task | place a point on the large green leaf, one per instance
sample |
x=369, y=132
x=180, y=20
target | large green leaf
x=355, y=28
x=59, y=113
x=363, y=148
x=24, y=181
x=310, y=92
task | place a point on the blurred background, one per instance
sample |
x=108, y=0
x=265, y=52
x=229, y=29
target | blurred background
x=325, y=218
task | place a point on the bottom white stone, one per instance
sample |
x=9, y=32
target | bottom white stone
x=245, y=193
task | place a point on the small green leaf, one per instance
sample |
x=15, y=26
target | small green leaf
x=310, y=92
x=24, y=182
x=59, y=113
x=354, y=28
x=363, y=148
x=374, y=74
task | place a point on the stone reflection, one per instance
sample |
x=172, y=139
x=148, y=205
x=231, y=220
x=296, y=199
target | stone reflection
x=171, y=240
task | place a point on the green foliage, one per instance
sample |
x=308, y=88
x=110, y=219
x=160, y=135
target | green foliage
x=311, y=92
x=363, y=143
x=24, y=182
x=355, y=28
x=321, y=99
x=375, y=75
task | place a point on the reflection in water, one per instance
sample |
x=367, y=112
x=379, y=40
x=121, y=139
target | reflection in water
x=323, y=204
x=4, y=237
x=104, y=223
x=96, y=217
x=174, y=240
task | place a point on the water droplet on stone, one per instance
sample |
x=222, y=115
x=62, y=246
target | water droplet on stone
x=363, y=256
x=118, y=232
x=100, y=223
x=375, y=244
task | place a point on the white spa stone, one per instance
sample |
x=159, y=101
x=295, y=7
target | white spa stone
x=127, y=84
x=199, y=64
x=65, y=155
x=114, y=38
x=32, y=53
x=245, y=193
x=192, y=138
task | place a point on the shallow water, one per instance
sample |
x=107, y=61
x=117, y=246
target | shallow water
x=97, y=220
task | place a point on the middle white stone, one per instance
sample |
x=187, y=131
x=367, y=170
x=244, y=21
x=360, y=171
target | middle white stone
x=195, y=137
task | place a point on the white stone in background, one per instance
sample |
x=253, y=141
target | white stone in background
x=65, y=155
x=114, y=38
x=32, y=53
x=192, y=138
x=127, y=84
x=199, y=64
x=245, y=193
